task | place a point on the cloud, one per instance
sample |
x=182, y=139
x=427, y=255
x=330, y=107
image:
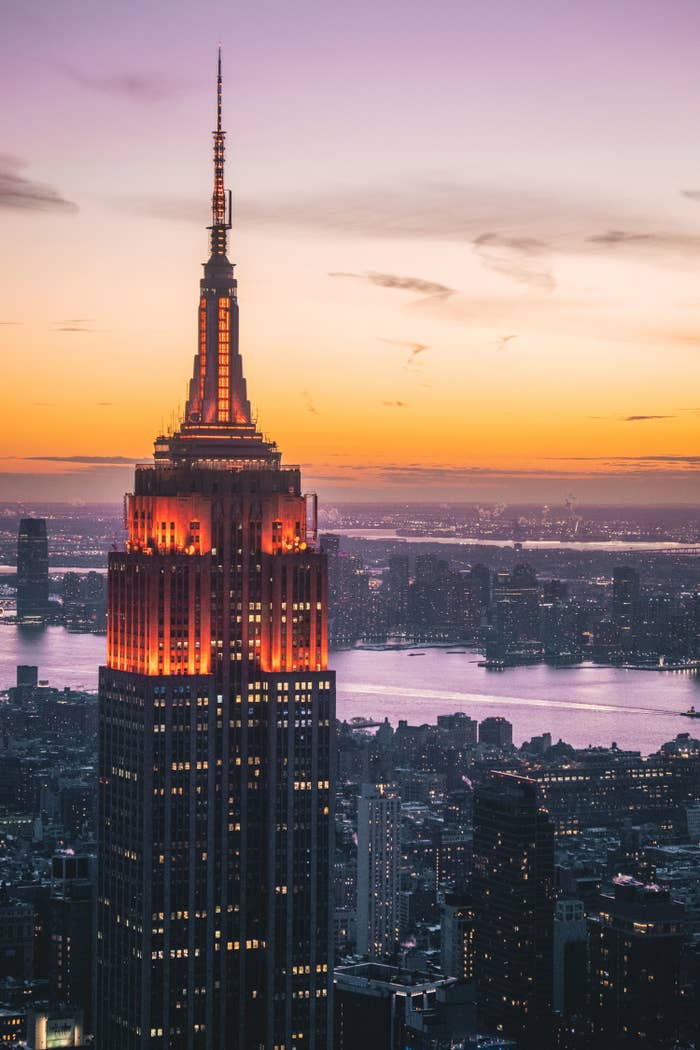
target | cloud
x=138, y=87
x=633, y=419
x=667, y=242
x=105, y=404
x=537, y=225
x=416, y=349
x=309, y=402
x=19, y=193
x=514, y=257
x=425, y=209
x=640, y=461
x=74, y=324
x=504, y=340
x=427, y=289
x=9, y=324
x=641, y=419
x=394, y=404
x=101, y=460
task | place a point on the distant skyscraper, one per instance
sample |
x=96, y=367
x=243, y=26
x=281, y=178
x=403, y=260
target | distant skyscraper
x=636, y=941
x=396, y=583
x=513, y=887
x=32, y=571
x=378, y=859
x=625, y=601
x=216, y=729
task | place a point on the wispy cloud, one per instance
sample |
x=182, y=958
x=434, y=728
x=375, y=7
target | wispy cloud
x=19, y=193
x=504, y=340
x=659, y=242
x=139, y=87
x=74, y=324
x=394, y=404
x=427, y=289
x=513, y=230
x=634, y=418
x=310, y=404
x=100, y=460
x=519, y=258
x=635, y=461
x=414, y=349
x=642, y=419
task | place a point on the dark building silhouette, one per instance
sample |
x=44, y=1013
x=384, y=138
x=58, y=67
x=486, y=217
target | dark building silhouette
x=625, y=605
x=376, y=1003
x=570, y=950
x=636, y=941
x=27, y=676
x=397, y=583
x=71, y=931
x=16, y=938
x=481, y=585
x=513, y=888
x=32, y=571
x=496, y=731
x=216, y=725
x=457, y=948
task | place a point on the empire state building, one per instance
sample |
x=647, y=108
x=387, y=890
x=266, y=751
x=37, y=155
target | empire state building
x=216, y=727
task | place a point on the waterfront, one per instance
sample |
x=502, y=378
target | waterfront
x=610, y=546
x=588, y=704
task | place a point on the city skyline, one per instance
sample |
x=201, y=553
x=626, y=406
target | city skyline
x=482, y=288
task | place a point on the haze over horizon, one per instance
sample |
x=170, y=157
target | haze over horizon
x=456, y=283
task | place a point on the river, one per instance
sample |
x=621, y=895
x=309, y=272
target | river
x=583, y=705
x=611, y=546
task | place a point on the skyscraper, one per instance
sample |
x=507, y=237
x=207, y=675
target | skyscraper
x=32, y=571
x=636, y=940
x=513, y=887
x=378, y=859
x=216, y=720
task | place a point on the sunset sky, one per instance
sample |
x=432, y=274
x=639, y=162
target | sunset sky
x=467, y=238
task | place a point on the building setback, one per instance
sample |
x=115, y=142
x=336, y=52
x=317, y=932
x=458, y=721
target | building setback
x=217, y=714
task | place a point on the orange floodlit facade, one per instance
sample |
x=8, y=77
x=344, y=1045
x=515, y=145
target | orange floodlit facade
x=216, y=709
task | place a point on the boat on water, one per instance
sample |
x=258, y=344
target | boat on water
x=416, y=654
x=690, y=713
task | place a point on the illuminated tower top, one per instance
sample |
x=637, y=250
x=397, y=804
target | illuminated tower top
x=217, y=429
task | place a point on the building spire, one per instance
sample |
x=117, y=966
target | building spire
x=221, y=200
x=218, y=96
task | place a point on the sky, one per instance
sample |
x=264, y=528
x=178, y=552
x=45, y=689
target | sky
x=466, y=236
